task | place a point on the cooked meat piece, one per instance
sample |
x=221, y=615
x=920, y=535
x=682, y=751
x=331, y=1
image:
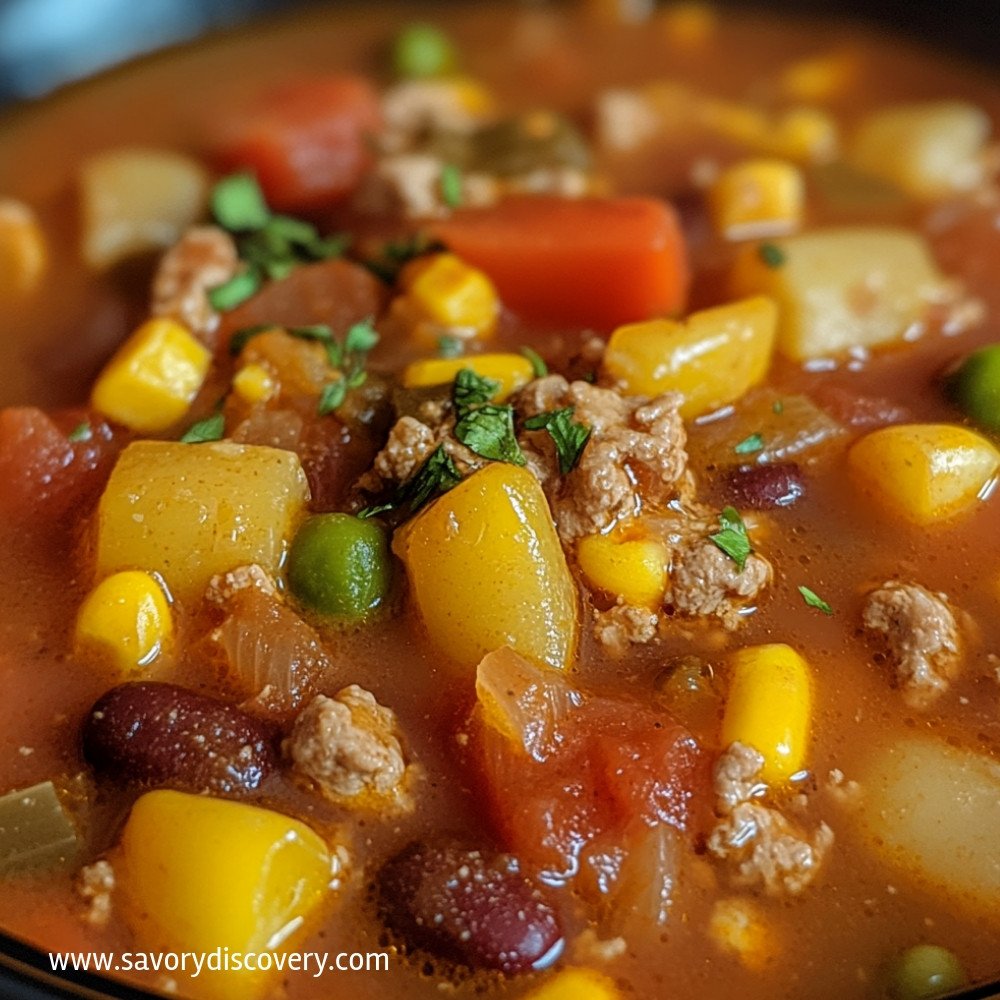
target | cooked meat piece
x=417, y=107
x=635, y=453
x=348, y=745
x=922, y=637
x=204, y=257
x=624, y=624
x=94, y=885
x=409, y=444
x=625, y=119
x=705, y=581
x=764, y=848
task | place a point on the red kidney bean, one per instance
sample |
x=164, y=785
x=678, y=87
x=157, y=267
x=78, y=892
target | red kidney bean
x=763, y=486
x=151, y=733
x=468, y=908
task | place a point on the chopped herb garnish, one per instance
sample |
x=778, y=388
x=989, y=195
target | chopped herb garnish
x=360, y=338
x=568, y=435
x=374, y=510
x=349, y=356
x=209, y=429
x=437, y=475
x=749, y=445
x=82, y=432
x=778, y=407
x=470, y=390
x=733, y=538
x=815, y=601
x=450, y=347
x=236, y=290
x=333, y=395
x=771, y=254
x=238, y=203
x=317, y=331
x=451, y=185
x=398, y=253
x=538, y=365
x=489, y=431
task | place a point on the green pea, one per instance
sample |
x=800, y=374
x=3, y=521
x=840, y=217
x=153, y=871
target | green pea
x=421, y=51
x=975, y=387
x=340, y=565
x=925, y=971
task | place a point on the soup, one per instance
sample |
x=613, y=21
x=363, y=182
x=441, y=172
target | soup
x=504, y=500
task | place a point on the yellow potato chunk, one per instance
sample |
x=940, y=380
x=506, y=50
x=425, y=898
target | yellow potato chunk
x=769, y=708
x=756, y=198
x=512, y=371
x=127, y=618
x=23, y=250
x=201, y=874
x=189, y=511
x=929, y=150
x=486, y=570
x=840, y=288
x=150, y=382
x=924, y=473
x=576, y=984
x=634, y=569
x=136, y=200
x=711, y=359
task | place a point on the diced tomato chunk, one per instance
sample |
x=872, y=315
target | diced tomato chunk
x=307, y=142
x=592, y=262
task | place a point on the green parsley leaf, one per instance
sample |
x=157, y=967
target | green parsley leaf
x=771, y=254
x=360, y=338
x=209, y=429
x=451, y=185
x=749, y=445
x=568, y=435
x=489, y=431
x=450, y=347
x=327, y=247
x=374, y=510
x=396, y=254
x=357, y=378
x=437, y=475
x=237, y=289
x=238, y=203
x=288, y=230
x=333, y=395
x=778, y=407
x=82, y=432
x=538, y=365
x=733, y=538
x=815, y=601
x=317, y=331
x=470, y=390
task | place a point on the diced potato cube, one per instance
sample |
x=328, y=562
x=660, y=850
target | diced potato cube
x=254, y=384
x=189, y=511
x=153, y=377
x=201, y=874
x=576, y=984
x=634, y=569
x=929, y=150
x=840, y=288
x=932, y=811
x=487, y=570
x=711, y=359
x=756, y=198
x=769, y=707
x=127, y=619
x=23, y=250
x=924, y=473
x=738, y=927
x=512, y=371
x=136, y=200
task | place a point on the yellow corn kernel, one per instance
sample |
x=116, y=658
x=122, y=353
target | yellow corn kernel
x=486, y=570
x=127, y=617
x=924, y=473
x=189, y=512
x=472, y=96
x=201, y=874
x=712, y=358
x=254, y=384
x=23, y=251
x=150, y=382
x=822, y=78
x=576, y=984
x=512, y=371
x=769, y=706
x=758, y=198
x=634, y=569
x=738, y=927
x=446, y=292
x=806, y=135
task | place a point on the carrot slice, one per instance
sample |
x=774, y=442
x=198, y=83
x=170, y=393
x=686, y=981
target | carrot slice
x=595, y=262
x=306, y=142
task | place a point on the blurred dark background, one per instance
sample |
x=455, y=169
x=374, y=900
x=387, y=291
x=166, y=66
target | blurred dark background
x=44, y=43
